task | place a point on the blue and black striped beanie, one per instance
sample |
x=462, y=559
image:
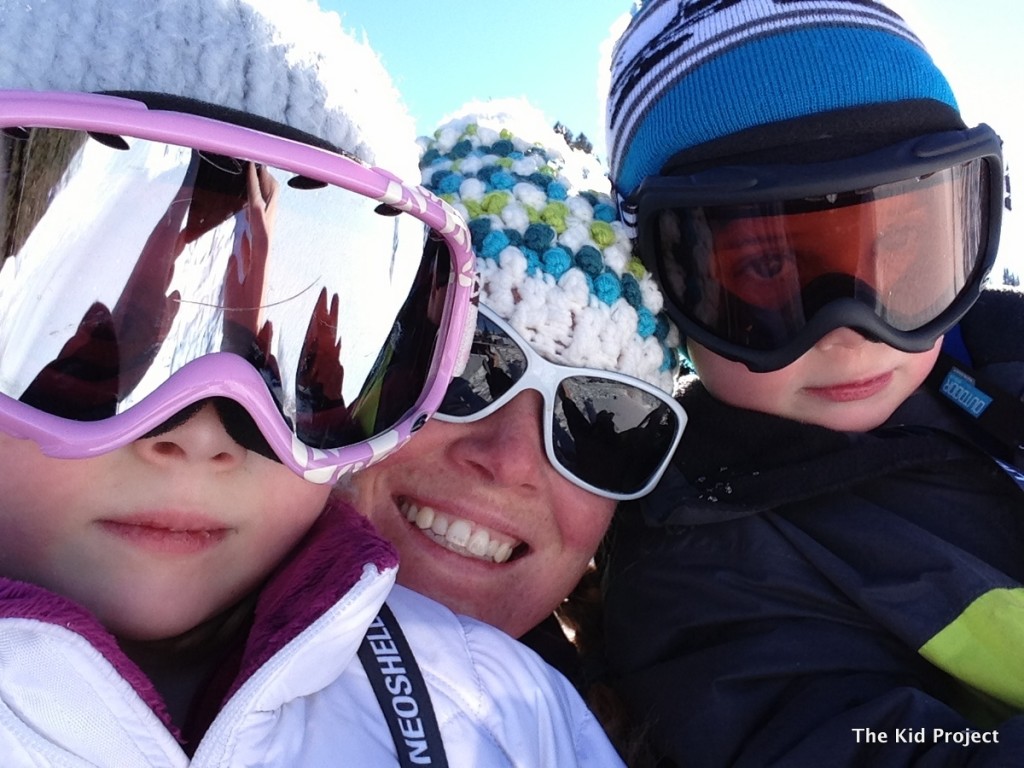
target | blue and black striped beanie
x=696, y=82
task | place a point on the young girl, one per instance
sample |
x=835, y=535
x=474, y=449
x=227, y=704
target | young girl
x=203, y=325
x=831, y=572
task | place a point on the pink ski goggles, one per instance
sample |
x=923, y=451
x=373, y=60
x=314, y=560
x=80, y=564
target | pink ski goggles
x=153, y=258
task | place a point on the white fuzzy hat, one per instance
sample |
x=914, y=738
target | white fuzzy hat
x=553, y=261
x=284, y=60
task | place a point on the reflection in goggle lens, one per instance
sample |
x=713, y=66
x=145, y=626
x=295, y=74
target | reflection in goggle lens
x=123, y=260
x=755, y=274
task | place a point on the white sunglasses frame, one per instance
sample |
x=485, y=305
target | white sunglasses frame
x=544, y=376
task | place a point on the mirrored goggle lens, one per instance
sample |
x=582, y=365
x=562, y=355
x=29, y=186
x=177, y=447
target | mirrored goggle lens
x=605, y=432
x=123, y=260
x=756, y=274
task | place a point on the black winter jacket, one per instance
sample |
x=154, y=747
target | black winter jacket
x=796, y=596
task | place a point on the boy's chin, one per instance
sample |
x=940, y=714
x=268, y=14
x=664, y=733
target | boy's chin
x=850, y=418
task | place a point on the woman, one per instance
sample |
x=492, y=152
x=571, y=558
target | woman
x=564, y=408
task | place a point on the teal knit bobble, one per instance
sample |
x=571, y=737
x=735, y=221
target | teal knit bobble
x=589, y=260
x=607, y=287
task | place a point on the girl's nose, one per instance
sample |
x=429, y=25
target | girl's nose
x=199, y=439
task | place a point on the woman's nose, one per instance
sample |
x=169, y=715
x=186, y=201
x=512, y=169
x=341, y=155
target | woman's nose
x=506, y=447
x=199, y=439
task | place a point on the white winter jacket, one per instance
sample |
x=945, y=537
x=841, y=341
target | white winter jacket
x=69, y=697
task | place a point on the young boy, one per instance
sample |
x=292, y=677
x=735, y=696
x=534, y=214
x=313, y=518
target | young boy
x=206, y=317
x=831, y=572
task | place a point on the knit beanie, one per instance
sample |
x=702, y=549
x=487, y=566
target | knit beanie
x=553, y=261
x=696, y=82
x=283, y=60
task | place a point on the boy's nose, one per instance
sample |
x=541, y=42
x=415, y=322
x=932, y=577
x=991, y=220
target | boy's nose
x=200, y=438
x=841, y=338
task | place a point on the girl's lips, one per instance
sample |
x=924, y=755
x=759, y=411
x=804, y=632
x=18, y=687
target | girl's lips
x=168, y=533
x=854, y=390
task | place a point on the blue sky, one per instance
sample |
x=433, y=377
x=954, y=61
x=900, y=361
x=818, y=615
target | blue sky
x=442, y=53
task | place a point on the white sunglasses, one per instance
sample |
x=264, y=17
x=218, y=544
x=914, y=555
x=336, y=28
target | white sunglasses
x=606, y=432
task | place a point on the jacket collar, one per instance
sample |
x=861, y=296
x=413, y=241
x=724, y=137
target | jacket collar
x=337, y=552
x=734, y=462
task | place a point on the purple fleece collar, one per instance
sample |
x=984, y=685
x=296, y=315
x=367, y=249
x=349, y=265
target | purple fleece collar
x=317, y=574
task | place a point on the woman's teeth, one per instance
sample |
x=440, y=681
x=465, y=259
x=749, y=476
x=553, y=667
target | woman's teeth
x=459, y=535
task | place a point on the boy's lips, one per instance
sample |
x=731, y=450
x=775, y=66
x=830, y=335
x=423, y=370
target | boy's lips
x=852, y=391
x=168, y=532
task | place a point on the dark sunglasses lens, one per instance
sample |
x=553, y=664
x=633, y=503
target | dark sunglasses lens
x=609, y=434
x=495, y=364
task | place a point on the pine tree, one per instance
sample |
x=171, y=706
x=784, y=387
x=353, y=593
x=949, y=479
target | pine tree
x=580, y=142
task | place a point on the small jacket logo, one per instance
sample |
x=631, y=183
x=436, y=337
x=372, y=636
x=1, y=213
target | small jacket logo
x=960, y=388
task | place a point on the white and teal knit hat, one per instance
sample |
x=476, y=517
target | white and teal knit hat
x=555, y=262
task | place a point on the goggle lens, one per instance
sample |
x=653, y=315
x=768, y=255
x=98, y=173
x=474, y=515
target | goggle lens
x=122, y=260
x=760, y=262
x=608, y=433
x=756, y=274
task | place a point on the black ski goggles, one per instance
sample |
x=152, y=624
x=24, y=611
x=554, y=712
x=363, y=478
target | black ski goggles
x=151, y=259
x=604, y=431
x=759, y=263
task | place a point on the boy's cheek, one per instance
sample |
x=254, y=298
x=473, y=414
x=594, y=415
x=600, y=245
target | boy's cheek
x=735, y=384
x=788, y=391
